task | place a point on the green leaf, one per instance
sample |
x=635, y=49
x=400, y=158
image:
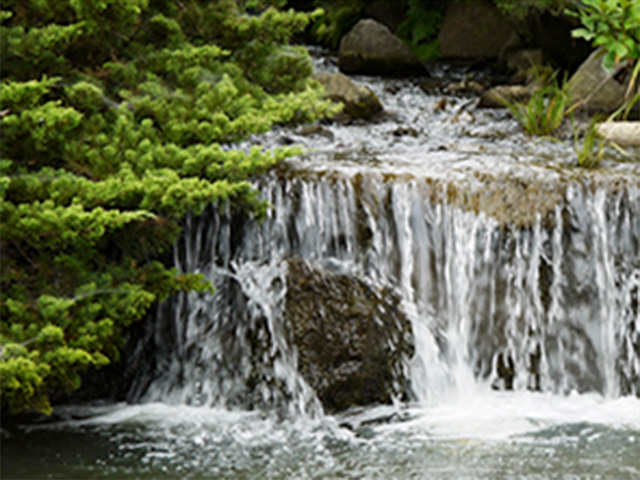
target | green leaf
x=582, y=33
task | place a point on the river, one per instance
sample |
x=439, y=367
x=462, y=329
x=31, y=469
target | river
x=498, y=248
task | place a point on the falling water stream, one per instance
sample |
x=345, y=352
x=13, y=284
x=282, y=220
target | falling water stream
x=519, y=273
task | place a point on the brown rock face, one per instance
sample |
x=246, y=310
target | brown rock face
x=475, y=29
x=371, y=48
x=352, y=339
x=359, y=101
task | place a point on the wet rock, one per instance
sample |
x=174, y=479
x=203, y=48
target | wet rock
x=622, y=133
x=496, y=97
x=596, y=89
x=431, y=84
x=473, y=30
x=505, y=370
x=314, y=130
x=465, y=86
x=442, y=105
x=511, y=199
x=370, y=48
x=352, y=339
x=405, y=132
x=359, y=101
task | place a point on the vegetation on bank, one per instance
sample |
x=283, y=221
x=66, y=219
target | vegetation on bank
x=117, y=118
x=422, y=19
x=614, y=26
x=419, y=29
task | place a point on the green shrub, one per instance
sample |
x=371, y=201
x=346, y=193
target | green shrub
x=421, y=26
x=337, y=19
x=545, y=110
x=117, y=119
x=612, y=24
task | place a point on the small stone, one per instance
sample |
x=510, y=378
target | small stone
x=405, y=132
x=496, y=97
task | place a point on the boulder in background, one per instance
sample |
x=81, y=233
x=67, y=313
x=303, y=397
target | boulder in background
x=370, y=48
x=475, y=30
x=595, y=87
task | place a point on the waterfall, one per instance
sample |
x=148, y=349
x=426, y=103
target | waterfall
x=547, y=304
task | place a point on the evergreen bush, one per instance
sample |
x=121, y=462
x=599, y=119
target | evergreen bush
x=117, y=118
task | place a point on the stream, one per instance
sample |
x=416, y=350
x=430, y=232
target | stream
x=500, y=251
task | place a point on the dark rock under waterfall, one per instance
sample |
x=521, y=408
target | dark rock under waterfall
x=352, y=339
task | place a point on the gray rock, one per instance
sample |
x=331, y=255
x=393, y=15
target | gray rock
x=475, y=29
x=352, y=339
x=595, y=87
x=359, y=101
x=371, y=48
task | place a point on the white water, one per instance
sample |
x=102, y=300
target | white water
x=559, y=301
x=557, y=298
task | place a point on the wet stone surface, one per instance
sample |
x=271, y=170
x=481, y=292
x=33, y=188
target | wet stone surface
x=352, y=339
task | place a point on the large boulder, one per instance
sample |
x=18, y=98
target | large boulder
x=352, y=338
x=359, y=101
x=595, y=88
x=370, y=48
x=475, y=30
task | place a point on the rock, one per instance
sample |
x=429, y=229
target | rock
x=405, y=132
x=359, y=101
x=352, y=339
x=623, y=133
x=596, y=88
x=370, y=48
x=497, y=96
x=552, y=33
x=474, y=30
x=524, y=63
x=314, y=130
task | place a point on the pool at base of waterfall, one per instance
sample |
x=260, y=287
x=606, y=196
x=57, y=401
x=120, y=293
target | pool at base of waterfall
x=486, y=434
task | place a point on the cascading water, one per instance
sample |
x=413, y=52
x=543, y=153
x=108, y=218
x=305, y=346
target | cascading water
x=551, y=306
x=518, y=274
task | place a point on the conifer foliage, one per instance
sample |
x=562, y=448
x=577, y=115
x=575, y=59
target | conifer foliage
x=117, y=118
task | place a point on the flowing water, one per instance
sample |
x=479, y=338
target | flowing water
x=520, y=275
